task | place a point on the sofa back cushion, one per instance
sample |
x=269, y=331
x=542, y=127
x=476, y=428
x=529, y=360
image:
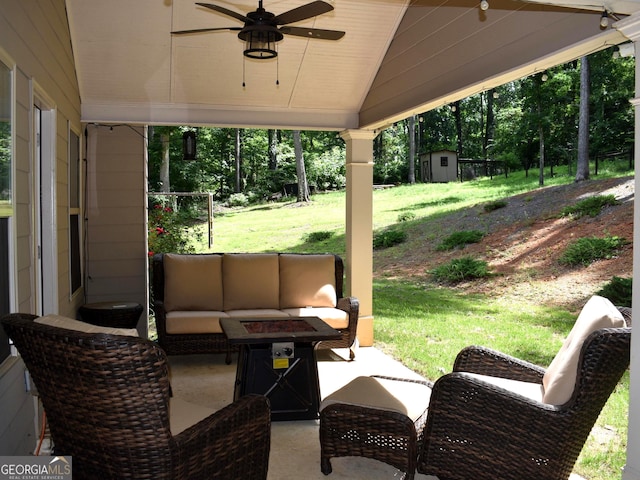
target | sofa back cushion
x=250, y=280
x=192, y=282
x=560, y=378
x=307, y=281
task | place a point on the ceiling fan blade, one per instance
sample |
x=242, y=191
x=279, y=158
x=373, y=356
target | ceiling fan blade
x=313, y=33
x=203, y=30
x=225, y=11
x=303, y=12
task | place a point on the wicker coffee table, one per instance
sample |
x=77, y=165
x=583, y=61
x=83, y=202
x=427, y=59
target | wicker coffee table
x=277, y=359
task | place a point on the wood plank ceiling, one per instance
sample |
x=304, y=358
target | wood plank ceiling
x=395, y=59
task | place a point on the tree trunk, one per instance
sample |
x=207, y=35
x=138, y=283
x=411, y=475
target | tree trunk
x=541, y=176
x=490, y=126
x=165, y=181
x=303, y=189
x=458, y=116
x=238, y=162
x=582, y=169
x=273, y=149
x=411, y=133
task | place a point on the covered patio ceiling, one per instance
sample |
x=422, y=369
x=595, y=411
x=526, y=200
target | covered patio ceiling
x=398, y=57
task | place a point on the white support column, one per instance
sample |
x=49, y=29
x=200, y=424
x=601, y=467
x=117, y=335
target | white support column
x=630, y=28
x=359, y=227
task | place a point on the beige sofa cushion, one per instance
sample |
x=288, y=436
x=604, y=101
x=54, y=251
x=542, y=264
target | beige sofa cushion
x=189, y=321
x=72, y=324
x=560, y=378
x=250, y=281
x=334, y=317
x=257, y=313
x=408, y=398
x=192, y=282
x=307, y=281
x=530, y=390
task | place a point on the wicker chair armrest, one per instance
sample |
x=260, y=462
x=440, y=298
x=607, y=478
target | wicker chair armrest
x=232, y=443
x=349, y=305
x=485, y=361
x=627, y=314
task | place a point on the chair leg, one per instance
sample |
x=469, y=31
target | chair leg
x=325, y=465
x=227, y=359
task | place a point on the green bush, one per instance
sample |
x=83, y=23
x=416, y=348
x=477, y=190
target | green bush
x=495, y=205
x=238, y=200
x=319, y=236
x=389, y=238
x=591, y=206
x=406, y=216
x=585, y=251
x=459, y=269
x=460, y=239
x=618, y=290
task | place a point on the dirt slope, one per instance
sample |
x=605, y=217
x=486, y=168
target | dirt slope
x=523, y=243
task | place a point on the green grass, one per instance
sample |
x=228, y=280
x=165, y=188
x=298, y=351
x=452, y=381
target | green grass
x=425, y=325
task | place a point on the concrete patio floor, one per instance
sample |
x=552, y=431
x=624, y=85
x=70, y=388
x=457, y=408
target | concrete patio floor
x=295, y=446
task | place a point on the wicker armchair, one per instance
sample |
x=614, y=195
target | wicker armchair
x=477, y=430
x=107, y=400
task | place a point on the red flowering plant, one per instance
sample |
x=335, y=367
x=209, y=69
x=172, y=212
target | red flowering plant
x=167, y=233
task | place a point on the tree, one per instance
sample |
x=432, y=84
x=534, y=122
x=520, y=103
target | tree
x=165, y=179
x=411, y=134
x=582, y=169
x=303, y=188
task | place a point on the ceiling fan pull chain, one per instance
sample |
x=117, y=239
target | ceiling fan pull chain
x=277, y=70
x=243, y=68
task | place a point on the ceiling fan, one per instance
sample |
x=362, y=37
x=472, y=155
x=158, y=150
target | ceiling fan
x=262, y=29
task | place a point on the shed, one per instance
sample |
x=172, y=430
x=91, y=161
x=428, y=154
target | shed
x=440, y=166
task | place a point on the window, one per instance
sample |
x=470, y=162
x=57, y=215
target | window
x=6, y=205
x=75, y=228
x=444, y=161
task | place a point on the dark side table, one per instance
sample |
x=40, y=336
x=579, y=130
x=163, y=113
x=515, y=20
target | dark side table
x=111, y=314
x=277, y=359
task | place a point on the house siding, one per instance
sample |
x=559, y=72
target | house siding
x=35, y=37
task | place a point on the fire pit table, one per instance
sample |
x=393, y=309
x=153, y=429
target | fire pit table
x=277, y=359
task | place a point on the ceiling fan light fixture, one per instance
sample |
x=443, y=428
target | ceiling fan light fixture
x=260, y=42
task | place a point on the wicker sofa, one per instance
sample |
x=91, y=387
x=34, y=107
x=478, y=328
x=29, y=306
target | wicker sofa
x=191, y=292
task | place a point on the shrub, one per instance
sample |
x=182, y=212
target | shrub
x=319, y=236
x=459, y=269
x=585, y=251
x=591, y=206
x=460, y=239
x=238, y=200
x=167, y=233
x=495, y=205
x=389, y=238
x=618, y=290
x=406, y=216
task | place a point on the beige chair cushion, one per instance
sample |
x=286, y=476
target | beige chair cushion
x=307, y=281
x=192, y=282
x=530, y=390
x=408, y=398
x=250, y=281
x=71, y=324
x=183, y=414
x=188, y=321
x=560, y=378
x=334, y=317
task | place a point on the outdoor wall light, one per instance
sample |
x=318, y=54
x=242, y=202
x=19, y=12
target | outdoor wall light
x=189, y=145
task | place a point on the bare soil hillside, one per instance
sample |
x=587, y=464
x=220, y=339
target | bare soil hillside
x=523, y=243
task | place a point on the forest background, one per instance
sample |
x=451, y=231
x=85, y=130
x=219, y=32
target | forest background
x=529, y=123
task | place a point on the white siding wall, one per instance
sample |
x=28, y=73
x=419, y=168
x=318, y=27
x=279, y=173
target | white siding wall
x=35, y=35
x=116, y=215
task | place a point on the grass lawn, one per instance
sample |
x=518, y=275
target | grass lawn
x=424, y=325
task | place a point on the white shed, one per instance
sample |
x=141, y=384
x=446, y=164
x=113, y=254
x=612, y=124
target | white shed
x=440, y=166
